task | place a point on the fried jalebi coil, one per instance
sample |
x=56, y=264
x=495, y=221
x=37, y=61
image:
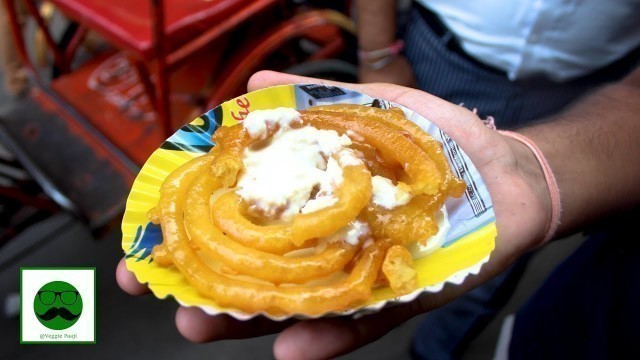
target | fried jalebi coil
x=394, y=119
x=410, y=223
x=247, y=260
x=154, y=216
x=424, y=174
x=170, y=186
x=353, y=194
x=239, y=251
x=251, y=296
x=228, y=161
x=161, y=255
x=399, y=271
x=374, y=162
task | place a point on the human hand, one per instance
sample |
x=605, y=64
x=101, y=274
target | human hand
x=398, y=72
x=521, y=203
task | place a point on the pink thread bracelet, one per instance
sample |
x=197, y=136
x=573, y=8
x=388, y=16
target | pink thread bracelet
x=377, y=59
x=554, y=191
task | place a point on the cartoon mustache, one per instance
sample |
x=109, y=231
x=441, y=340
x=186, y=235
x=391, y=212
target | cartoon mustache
x=62, y=312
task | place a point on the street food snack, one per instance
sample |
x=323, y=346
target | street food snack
x=302, y=212
x=219, y=241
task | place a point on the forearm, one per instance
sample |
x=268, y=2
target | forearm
x=376, y=23
x=594, y=151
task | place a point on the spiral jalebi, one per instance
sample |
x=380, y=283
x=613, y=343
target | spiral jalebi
x=306, y=263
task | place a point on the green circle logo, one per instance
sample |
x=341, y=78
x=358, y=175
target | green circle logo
x=57, y=305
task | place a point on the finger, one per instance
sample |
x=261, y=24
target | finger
x=330, y=337
x=197, y=326
x=266, y=78
x=411, y=98
x=389, y=92
x=128, y=281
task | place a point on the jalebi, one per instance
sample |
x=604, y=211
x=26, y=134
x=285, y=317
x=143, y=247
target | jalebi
x=306, y=264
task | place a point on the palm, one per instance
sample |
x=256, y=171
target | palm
x=521, y=202
x=511, y=173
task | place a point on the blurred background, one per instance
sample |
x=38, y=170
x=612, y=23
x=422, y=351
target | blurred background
x=89, y=95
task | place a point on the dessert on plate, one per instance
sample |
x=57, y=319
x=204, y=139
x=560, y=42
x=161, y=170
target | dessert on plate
x=305, y=212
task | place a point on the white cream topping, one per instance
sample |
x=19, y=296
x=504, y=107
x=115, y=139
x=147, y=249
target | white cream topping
x=283, y=172
x=387, y=195
x=318, y=203
x=354, y=135
x=281, y=176
x=351, y=234
x=324, y=198
x=418, y=250
x=346, y=157
x=259, y=122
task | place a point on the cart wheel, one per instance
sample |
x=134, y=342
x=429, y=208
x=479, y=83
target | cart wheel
x=328, y=69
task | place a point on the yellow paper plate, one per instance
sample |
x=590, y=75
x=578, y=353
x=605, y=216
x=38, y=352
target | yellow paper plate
x=466, y=246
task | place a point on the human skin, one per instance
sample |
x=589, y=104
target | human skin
x=592, y=149
x=376, y=21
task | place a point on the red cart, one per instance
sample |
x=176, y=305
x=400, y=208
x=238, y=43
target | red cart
x=166, y=62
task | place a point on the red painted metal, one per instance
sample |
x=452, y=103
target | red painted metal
x=177, y=57
x=128, y=23
x=171, y=55
x=126, y=32
x=334, y=46
x=16, y=32
x=145, y=79
x=57, y=54
x=71, y=49
x=162, y=95
x=135, y=111
x=109, y=93
x=246, y=63
x=99, y=147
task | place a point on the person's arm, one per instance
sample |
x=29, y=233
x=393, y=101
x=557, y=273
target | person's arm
x=594, y=151
x=592, y=148
x=377, y=29
x=376, y=23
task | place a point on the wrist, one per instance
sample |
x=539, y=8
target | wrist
x=380, y=57
x=536, y=172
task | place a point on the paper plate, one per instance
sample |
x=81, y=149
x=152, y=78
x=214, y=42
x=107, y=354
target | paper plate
x=467, y=245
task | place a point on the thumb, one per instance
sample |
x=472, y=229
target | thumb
x=458, y=122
